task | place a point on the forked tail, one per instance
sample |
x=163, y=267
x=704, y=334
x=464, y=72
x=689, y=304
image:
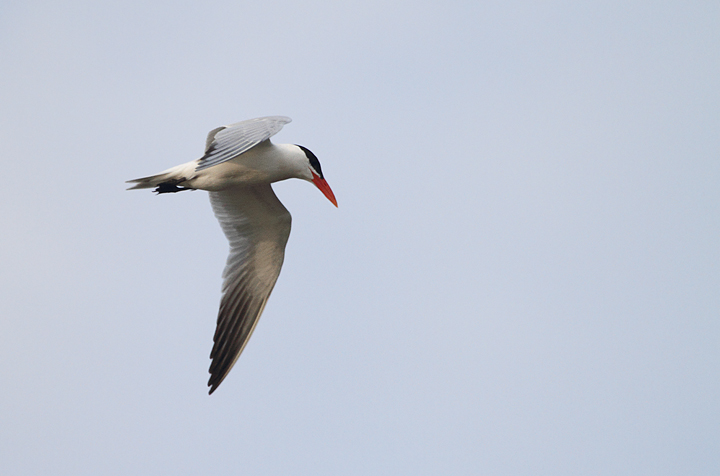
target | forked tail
x=168, y=181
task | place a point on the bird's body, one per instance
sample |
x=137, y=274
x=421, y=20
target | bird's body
x=263, y=164
x=237, y=169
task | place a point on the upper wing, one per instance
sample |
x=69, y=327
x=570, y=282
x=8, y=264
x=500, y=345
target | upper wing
x=257, y=226
x=227, y=142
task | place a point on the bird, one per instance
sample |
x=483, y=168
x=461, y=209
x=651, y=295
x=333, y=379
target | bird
x=238, y=166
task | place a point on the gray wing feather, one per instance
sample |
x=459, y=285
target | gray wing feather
x=227, y=142
x=257, y=225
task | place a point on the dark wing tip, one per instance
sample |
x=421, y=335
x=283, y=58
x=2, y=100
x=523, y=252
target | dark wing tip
x=217, y=374
x=216, y=379
x=238, y=315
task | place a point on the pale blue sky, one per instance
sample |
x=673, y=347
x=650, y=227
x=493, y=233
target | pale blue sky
x=522, y=278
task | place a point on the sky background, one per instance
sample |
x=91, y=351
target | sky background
x=522, y=277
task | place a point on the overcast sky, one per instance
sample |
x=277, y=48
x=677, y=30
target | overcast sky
x=522, y=276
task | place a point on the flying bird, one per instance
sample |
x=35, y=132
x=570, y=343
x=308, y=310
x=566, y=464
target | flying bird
x=237, y=169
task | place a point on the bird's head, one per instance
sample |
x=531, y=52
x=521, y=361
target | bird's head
x=317, y=176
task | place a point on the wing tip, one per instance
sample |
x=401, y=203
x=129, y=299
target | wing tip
x=283, y=119
x=215, y=381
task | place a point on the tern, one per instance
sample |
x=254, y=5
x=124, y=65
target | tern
x=237, y=169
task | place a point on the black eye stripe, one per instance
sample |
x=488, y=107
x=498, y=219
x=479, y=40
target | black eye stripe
x=314, y=162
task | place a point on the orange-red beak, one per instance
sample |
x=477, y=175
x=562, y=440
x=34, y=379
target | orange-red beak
x=324, y=188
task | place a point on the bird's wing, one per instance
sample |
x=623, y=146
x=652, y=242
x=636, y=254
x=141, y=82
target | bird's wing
x=257, y=226
x=227, y=142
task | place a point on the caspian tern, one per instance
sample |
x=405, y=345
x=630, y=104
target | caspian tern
x=237, y=169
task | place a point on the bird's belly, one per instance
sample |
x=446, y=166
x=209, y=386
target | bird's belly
x=231, y=174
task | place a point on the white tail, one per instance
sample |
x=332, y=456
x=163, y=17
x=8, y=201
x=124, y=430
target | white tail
x=174, y=176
